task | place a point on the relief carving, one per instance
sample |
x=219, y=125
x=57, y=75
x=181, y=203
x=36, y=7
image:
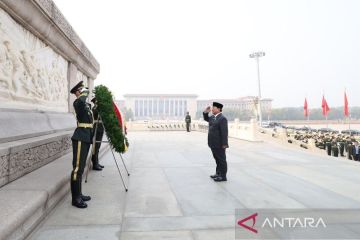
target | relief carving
x=36, y=157
x=4, y=166
x=32, y=75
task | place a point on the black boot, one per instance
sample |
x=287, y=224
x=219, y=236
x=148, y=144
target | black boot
x=96, y=167
x=97, y=160
x=75, y=193
x=95, y=163
x=83, y=197
x=79, y=203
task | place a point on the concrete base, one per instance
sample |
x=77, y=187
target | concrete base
x=171, y=195
x=26, y=201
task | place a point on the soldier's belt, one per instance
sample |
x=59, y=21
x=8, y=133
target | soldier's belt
x=85, y=125
x=97, y=121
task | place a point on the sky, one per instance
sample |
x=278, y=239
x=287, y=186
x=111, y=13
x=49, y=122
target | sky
x=202, y=46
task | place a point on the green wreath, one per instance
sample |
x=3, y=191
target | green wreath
x=114, y=132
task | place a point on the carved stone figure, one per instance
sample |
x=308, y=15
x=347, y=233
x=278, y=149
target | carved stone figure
x=30, y=69
x=31, y=73
x=5, y=67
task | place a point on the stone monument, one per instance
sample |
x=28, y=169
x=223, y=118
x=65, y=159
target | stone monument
x=40, y=58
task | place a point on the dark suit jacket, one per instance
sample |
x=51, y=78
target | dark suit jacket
x=354, y=150
x=188, y=119
x=83, y=115
x=218, y=130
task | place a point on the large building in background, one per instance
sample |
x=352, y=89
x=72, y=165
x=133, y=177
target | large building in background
x=241, y=103
x=175, y=106
x=160, y=106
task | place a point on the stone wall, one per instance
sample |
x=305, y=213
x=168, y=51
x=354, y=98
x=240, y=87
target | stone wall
x=28, y=155
x=41, y=59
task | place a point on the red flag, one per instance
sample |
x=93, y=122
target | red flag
x=306, y=110
x=346, y=105
x=325, y=107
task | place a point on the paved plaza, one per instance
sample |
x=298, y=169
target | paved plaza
x=172, y=197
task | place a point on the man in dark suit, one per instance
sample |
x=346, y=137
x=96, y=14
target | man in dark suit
x=188, y=121
x=81, y=141
x=356, y=151
x=218, y=139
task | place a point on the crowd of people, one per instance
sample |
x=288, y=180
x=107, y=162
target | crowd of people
x=334, y=144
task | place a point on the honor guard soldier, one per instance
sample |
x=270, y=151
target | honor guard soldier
x=81, y=141
x=188, y=121
x=99, y=128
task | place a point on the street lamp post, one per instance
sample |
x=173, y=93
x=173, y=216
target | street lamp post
x=257, y=55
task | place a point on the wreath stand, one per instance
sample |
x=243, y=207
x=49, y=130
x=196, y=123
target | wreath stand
x=89, y=163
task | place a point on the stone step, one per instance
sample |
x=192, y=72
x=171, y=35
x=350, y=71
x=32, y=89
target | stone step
x=20, y=157
x=26, y=201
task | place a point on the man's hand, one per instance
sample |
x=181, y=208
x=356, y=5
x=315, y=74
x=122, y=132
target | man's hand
x=207, y=110
x=84, y=90
x=224, y=146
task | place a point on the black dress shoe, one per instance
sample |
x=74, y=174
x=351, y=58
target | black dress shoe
x=220, y=179
x=85, y=198
x=97, y=168
x=79, y=203
x=214, y=176
x=102, y=166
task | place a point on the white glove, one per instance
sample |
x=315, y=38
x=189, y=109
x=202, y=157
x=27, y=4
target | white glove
x=84, y=90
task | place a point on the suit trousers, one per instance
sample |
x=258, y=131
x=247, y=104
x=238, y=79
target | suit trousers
x=220, y=159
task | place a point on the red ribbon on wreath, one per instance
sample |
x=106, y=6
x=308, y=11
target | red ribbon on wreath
x=120, y=118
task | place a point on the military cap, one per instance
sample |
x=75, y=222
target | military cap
x=77, y=87
x=218, y=105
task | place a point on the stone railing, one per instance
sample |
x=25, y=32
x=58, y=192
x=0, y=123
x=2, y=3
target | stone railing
x=244, y=130
x=241, y=130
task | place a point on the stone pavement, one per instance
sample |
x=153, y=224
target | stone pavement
x=172, y=197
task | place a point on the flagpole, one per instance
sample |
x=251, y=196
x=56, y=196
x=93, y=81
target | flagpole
x=344, y=111
x=349, y=119
x=308, y=118
x=308, y=112
x=346, y=107
x=326, y=119
x=325, y=108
